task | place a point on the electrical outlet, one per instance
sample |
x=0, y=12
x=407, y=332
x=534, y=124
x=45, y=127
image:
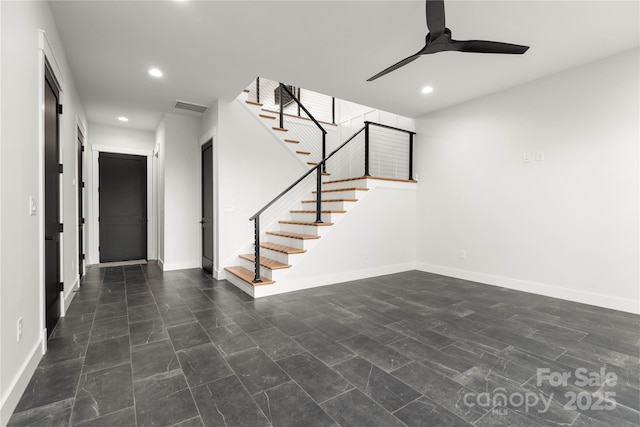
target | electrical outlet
x=540, y=156
x=526, y=156
x=19, y=331
x=462, y=254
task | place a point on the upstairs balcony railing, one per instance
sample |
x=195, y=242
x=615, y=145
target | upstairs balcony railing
x=265, y=91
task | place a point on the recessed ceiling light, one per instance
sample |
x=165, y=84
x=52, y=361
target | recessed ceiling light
x=123, y=119
x=155, y=72
x=427, y=89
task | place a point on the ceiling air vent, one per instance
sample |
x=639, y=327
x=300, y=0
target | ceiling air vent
x=184, y=105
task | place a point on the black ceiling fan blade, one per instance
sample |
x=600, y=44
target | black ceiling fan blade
x=484, y=46
x=395, y=66
x=435, y=17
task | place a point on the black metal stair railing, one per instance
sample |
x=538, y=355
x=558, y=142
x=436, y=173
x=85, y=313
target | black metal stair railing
x=323, y=106
x=382, y=142
x=285, y=90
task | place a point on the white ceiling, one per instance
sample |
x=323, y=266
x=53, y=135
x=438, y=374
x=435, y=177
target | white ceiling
x=214, y=49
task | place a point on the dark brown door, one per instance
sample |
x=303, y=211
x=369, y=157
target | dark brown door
x=51, y=202
x=80, y=183
x=123, y=207
x=207, y=207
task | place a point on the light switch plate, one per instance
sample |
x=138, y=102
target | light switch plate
x=33, y=206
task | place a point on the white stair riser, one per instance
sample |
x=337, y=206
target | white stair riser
x=311, y=217
x=289, y=259
x=359, y=183
x=329, y=206
x=345, y=194
x=288, y=241
x=264, y=272
x=310, y=230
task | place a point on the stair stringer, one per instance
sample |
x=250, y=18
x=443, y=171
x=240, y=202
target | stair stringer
x=254, y=111
x=333, y=133
x=375, y=237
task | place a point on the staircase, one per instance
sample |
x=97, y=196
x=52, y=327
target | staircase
x=294, y=227
x=302, y=135
x=298, y=234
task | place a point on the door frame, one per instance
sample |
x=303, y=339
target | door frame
x=211, y=137
x=81, y=200
x=94, y=225
x=47, y=60
x=208, y=144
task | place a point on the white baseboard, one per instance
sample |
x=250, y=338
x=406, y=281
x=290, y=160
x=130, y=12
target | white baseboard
x=20, y=381
x=575, y=295
x=181, y=265
x=161, y=263
x=289, y=285
x=69, y=296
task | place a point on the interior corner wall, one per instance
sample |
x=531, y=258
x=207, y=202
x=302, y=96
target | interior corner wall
x=251, y=167
x=566, y=226
x=160, y=165
x=27, y=30
x=181, y=199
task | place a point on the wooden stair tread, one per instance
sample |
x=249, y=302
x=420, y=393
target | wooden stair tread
x=331, y=200
x=306, y=153
x=259, y=104
x=343, y=189
x=313, y=212
x=292, y=141
x=280, y=129
x=282, y=248
x=293, y=235
x=264, y=116
x=248, y=276
x=246, y=90
x=310, y=224
x=312, y=163
x=269, y=263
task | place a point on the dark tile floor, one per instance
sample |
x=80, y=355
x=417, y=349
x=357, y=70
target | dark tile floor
x=143, y=348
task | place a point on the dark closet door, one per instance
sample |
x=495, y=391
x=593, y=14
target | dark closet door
x=80, y=184
x=207, y=207
x=123, y=207
x=51, y=203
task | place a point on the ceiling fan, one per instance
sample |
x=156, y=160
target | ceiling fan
x=439, y=40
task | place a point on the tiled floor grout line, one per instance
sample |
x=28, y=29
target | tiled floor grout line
x=375, y=331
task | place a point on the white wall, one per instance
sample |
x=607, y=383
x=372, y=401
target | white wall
x=181, y=204
x=125, y=139
x=116, y=139
x=376, y=237
x=251, y=167
x=565, y=227
x=353, y=116
x=21, y=156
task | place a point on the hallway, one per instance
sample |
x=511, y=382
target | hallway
x=140, y=347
